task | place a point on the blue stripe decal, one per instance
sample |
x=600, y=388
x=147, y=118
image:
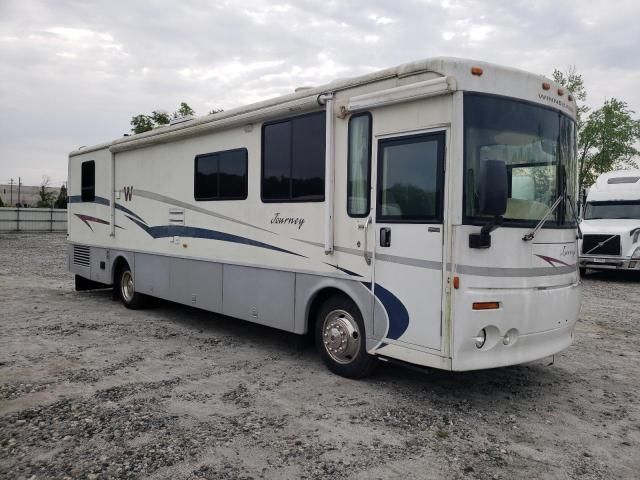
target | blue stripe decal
x=128, y=212
x=105, y=201
x=164, y=231
x=98, y=200
x=396, y=311
x=348, y=272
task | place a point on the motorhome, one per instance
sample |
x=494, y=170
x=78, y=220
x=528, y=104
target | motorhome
x=420, y=214
x=611, y=223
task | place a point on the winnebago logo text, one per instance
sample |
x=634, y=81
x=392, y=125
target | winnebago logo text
x=128, y=192
x=278, y=220
x=548, y=98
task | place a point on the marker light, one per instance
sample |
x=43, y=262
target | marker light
x=570, y=97
x=481, y=338
x=560, y=92
x=476, y=71
x=486, y=305
x=456, y=282
x=546, y=86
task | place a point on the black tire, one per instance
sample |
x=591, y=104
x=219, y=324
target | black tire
x=340, y=314
x=124, y=289
x=583, y=271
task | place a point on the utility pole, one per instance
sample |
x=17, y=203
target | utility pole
x=11, y=190
x=19, y=185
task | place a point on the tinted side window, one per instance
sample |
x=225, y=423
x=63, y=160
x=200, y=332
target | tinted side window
x=88, y=181
x=206, y=177
x=359, y=165
x=410, y=179
x=293, y=157
x=276, y=161
x=221, y=175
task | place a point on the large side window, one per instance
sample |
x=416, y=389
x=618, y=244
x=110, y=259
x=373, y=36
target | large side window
x=410, y=177
x=359, y=165
x=221, y=175
x=88, y=181
x=293, y=156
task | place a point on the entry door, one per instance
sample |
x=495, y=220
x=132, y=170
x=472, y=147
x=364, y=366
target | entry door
x=409, y=233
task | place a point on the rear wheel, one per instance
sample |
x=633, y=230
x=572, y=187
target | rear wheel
x=341, y=340
x=125, y=286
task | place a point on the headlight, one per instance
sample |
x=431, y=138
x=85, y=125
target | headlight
x=481, y=338
x=636, y=254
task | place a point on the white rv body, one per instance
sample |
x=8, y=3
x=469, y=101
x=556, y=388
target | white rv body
x=611, y=223
x=271, y=262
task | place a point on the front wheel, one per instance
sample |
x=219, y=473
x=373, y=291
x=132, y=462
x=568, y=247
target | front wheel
x=341, y=340
x=126, y=289
x=583, y=271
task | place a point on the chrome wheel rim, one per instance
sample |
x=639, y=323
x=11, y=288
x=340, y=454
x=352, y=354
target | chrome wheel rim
x=126, y=286
x=341, y=336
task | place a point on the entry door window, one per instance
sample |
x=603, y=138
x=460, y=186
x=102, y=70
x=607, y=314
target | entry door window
x=410, y=178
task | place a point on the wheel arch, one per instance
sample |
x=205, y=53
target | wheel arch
x=119, y=260
x=313, y=292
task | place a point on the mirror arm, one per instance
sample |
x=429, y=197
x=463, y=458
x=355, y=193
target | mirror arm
x=483, y=238
x=491, y=225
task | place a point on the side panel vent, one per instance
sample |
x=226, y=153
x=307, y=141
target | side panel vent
x=81, y=255
x=176, y=216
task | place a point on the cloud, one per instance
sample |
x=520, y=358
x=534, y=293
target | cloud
x=74, y=73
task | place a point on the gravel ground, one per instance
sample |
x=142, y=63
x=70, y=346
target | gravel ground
x=91, y=390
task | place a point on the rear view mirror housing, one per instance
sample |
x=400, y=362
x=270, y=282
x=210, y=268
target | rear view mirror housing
x=493, y=191
x=493, y=188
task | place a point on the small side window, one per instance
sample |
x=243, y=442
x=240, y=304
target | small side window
x=221, y=175
x=88, y=181
x=359, y=166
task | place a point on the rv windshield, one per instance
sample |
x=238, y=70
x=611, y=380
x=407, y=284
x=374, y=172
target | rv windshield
x=612, y=210
x=538, y=146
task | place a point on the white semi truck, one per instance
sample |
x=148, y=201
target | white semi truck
x=611, y=223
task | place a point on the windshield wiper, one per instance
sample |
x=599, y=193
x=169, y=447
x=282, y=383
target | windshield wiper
x=552, y=208
x=575, y=216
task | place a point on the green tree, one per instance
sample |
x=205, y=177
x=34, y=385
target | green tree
x=606, y=136
x=47, y=196
x=607, y=140
x=573, y=82
x=1, y=203
x=184, y=111
x=61, y=201
x=216, y=110
x=141, y=123
x=160, y=117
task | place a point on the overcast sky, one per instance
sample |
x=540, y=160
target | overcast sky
x=74, y=72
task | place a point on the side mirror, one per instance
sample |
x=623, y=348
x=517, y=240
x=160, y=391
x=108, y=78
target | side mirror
x=493, y=191
x=493, y=188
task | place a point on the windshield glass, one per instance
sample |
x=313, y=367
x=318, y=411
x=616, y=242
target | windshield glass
x=619, y=209
x=538, y=146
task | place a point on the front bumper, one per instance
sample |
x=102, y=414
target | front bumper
x=609, y=263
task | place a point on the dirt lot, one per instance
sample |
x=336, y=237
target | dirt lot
x=91, y=390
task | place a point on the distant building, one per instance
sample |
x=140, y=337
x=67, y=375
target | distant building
x=29, y=195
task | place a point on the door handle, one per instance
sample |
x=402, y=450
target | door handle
x=385, y=237
x=365, y=227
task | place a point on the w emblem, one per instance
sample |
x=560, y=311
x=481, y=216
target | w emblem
x=128, y=193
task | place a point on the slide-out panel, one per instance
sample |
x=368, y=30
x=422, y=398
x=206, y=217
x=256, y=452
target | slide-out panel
x=259, y=295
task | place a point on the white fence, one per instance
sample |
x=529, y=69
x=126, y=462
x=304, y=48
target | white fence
x=33, y=220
